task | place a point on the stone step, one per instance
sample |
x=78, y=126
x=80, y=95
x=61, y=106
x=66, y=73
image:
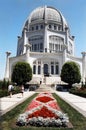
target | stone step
x=44, y=88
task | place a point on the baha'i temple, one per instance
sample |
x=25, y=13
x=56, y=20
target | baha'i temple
x=46, y=44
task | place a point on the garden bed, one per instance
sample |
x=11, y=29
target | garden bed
x=8, y=120
x=44, y=111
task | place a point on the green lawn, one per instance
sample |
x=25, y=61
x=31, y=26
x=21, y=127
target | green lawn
x=9, y=120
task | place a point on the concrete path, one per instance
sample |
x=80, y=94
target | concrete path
x=7, y=103
x=77, y=102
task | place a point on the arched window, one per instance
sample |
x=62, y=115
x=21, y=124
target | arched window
x=55, y=43
x=50, y=26
x=37, y=27
x=55, y=27
x=41, y=26
x=52, y=69
x=45, y=68
x=34, y=69
x=39, y=69
x=57, y=69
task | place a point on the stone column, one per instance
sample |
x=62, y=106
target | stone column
x=42, y=68
x=45, y=38
x=25, y=38
x=27, y=52
x=7, y=65
x=64, y=53
x=83, y=66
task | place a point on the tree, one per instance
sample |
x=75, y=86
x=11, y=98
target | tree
x=70, y=73
x=22, y=73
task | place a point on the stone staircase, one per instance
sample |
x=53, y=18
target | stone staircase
x=45, y=88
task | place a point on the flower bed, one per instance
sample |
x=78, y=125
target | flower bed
x=43, y=111
x=44, y=99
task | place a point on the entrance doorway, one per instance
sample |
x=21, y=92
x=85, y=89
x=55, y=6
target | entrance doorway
x=46, y=69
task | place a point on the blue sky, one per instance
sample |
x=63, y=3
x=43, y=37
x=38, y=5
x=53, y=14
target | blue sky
x=13, y=14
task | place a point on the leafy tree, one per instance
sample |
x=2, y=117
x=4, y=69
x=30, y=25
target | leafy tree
x=22, y=73
x=70, y=73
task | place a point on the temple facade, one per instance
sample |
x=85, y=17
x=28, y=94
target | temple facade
x=46, y=44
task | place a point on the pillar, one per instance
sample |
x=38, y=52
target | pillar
x=64, y=53
x=7, y=65
x=27, y=52
x=83, y=66
x=25, y=39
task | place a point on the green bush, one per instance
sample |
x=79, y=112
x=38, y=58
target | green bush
x=1, y=84
x=80, y=92
x=70, y=73
x=22, y=73
x=4, y=92
x=4, y=84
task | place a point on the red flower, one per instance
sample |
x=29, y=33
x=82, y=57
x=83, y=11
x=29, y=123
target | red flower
x=32, y=105
x=43, y=112
x=54, y=105
x=44, y=99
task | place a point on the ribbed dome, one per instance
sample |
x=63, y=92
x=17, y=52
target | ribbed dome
x=47, y=13
x=37, y=14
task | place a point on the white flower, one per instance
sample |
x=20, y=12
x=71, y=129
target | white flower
x=22, y=119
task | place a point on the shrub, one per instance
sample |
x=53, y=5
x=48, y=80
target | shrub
x=70, y=73
x=22, y=73
x=80, y=92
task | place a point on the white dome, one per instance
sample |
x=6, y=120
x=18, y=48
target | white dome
x=48, y=14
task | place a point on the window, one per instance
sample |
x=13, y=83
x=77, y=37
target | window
x=37, y=27
x=38, y=46
x=59, y=28
x=35, y=47
x=46, y=69
x=39, y=69
x=41, y=26
x=34, y=69
x=57, y=69
x=41, y=46
x=50, y=26
x=39, y=62
x=55, y=27
x=32, y=28
x=56, y=47
x=52, y=69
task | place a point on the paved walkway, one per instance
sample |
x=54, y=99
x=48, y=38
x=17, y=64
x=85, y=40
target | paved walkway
x=7, y=103
x=45, y=88
x=77, y=102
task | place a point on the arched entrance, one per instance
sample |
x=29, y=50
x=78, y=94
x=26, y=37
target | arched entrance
x=46, y=69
